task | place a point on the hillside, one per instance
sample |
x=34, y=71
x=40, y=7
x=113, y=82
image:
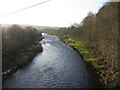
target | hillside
x=99, y=35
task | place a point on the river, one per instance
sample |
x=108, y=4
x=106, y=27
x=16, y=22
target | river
x=58, y=66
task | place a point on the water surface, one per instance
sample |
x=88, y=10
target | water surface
x=57, y=66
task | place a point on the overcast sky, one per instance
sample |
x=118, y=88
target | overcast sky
x=61, y=13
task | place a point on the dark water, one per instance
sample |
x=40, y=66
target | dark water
x=57, y=66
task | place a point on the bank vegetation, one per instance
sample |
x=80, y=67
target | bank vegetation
x=19, y=46
x=97, y=39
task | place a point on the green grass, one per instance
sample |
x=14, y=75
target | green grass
x=89, y=57
x=95, y=62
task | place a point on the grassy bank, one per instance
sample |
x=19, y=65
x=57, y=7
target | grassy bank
x=94, y=60
x=79, y=46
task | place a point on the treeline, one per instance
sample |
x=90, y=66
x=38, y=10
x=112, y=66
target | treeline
x=19, y=45
x=99, y=34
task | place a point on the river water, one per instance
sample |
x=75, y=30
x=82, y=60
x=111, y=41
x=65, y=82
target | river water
x=58, y=66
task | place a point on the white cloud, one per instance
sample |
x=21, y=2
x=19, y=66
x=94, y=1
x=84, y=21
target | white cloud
x=52, y=13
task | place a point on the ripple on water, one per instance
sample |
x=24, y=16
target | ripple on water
x=57, y=66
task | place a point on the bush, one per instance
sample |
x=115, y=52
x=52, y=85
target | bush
x=16, y=41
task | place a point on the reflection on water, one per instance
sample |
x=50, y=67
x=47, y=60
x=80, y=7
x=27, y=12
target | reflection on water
x=57, y=66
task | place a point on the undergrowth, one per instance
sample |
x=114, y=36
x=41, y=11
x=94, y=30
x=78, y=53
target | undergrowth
x=107, y=77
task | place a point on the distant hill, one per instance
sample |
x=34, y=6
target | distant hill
x=35, y=26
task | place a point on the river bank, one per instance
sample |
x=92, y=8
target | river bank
x=19, y=46
x=87, y=57
x=24, y=58
x=58, y=66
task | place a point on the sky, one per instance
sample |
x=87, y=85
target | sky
x=58, y=13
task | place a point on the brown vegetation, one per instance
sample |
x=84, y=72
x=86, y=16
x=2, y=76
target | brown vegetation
x=100, y=35
x=19, y=46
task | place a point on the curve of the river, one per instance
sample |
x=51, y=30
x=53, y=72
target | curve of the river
x=58, y=66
